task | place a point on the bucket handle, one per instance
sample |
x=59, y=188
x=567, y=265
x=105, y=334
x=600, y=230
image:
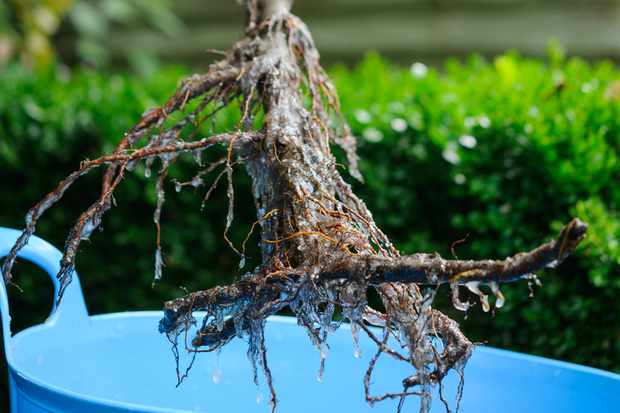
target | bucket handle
x=72, y=307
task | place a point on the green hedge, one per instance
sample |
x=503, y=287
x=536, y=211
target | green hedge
x=505, y=151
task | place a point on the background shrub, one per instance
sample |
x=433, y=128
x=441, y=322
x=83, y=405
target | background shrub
x=502, y=152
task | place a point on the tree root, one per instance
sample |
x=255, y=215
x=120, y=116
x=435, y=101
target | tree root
x=320, y=247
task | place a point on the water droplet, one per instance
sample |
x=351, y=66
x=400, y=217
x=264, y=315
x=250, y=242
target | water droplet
x=196, y=181
x=219, y=319
x=88, y=228
x=147, y=172
x=473, y=286
x=198, y=157
x=324, y=349
x=217, y=374
x=178, y=186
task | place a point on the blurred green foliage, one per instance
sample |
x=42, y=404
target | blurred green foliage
x=503, y=151
x=29, y=29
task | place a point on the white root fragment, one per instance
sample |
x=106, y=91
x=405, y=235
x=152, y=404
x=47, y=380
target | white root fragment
x=159, y=263
x=357, y=351
x=456, y=300
x=500, y=300
x=474, y=287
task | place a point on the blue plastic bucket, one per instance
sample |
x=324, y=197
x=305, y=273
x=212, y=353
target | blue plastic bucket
x=119, y=363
